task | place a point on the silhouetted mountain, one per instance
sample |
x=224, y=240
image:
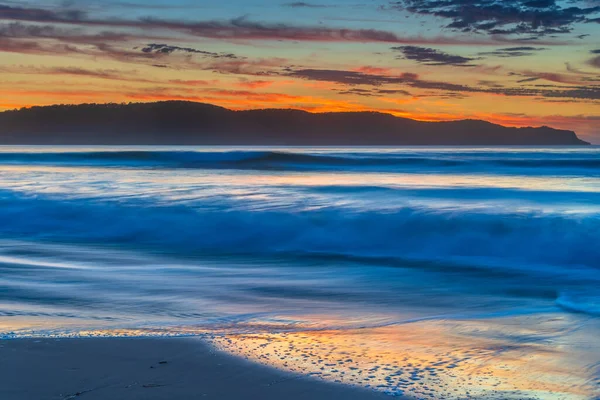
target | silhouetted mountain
x=181, y=123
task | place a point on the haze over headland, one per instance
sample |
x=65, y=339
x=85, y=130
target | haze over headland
x=189, y=123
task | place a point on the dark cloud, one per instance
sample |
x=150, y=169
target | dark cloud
x=353, y=78
x=509, y=52
x=594, y=62
x=19, y=30
x=243, y=28
x=521, y=17
x=374, y=92
x=234, y=29
x=429, y=56
x=358, y=92
x=10, y=45
x=169, y=49
x=41, y=15
x=532, y=79
x=14, y=46
x=394, y=91
x=121, y=54
x=23, y=38
x=302, y=4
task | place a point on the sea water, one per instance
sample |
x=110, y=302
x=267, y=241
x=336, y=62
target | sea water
x=425, y=272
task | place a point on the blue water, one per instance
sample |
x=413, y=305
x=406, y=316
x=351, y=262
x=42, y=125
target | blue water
x=187, y=239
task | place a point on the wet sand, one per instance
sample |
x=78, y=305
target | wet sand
x=149, y=369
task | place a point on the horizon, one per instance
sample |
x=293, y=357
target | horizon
x=518, y=65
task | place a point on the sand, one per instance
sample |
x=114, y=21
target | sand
x=148, y=369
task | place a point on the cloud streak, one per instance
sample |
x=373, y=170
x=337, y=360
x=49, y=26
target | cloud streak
x=155, y=48
x=511, y=52
x=240, y=28
x=353, y=78
x=429, y=56
x=595, y=62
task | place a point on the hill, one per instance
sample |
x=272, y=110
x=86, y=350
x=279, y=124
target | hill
x=188, y=123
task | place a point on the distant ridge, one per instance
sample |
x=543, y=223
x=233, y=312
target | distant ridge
x=189, y=123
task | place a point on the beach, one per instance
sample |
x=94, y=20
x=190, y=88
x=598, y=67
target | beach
x=149, y=369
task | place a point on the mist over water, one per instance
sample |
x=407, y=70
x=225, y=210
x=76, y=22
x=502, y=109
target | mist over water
x=471, y=257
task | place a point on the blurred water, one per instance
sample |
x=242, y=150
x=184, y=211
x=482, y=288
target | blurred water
x=496, y=247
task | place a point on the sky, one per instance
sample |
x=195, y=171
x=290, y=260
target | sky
x=517, y=63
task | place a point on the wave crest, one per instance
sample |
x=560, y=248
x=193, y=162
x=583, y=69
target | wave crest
x=282, y=160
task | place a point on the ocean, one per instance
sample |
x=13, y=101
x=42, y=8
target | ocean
x=428, y=272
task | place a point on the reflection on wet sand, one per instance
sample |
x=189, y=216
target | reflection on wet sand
x=533, y=357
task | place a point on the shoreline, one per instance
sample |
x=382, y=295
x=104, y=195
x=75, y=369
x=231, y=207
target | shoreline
x=149, y=369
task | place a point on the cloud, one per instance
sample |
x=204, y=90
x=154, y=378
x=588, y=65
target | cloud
x=168, y=49
x=240, y=28
x=429, y=56
x=302, y=4
x=520, y=17
x=109, y=74
x=257, y=67
x=112, y=74
x=9, y=45
x=374, y=70
x=577, y=71
x=358, y=92
x=354, y=78
x=245, y=29
x=18, y=30
x=531, y=76
x=245, y=83
x=510, y=52
x=195, y=82
x=46, y=39
x=41, y=15
x=350, y=77
x=394, y=91
x=594, y=62
x=374, y=92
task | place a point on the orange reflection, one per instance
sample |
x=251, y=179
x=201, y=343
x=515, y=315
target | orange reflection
x=436, y=359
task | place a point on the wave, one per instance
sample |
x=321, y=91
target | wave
x=581, y=303
x=280, y=160
x=562, y=240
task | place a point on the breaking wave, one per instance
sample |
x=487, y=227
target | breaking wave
x=529, y=237
x=281, y=160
